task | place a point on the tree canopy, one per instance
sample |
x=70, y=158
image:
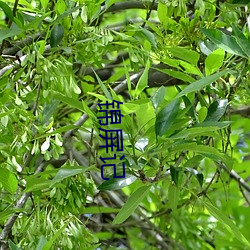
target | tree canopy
x=180, y=71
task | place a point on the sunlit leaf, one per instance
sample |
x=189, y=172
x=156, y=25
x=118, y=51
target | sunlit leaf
x=8, y=180
x=131, y=204
x=173, y=196
x=198, y=85
x=185, y=54
x=214, y=61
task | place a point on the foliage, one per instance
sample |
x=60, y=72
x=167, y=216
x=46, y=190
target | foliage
x=181, y=70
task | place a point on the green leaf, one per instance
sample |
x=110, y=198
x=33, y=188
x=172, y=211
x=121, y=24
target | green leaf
x=116, y=183
x=173, y=196
x=132, y=203
x=104, y=89
x=143, y=81
x=166, y=117
x=99, y=210
x=188, y=105
x=56, y=35
x=66, y=172
x=41, y=243
x=70, y=101
x=158, y=97
x=35, y=183
x=198, y=175
x=202, y=114
x=193, y=132
x=49, y=110
x=49, y=244
x=219, y=125
x=9, y=211
x=127, y=77
x=204, y=150
x=244, y=45
x=197, y=85
x=216, y=110
x=8, y=180
x=44, y=3
x=162, y=12
x=9, y=32
x=194, y=161
x=147, y=35
x=177, y=74
x=7, y=10
x=13, y=246
x=214, y=61
x=174, y=172
x=238, y=33
x=223, y=41
x=189, y=68
x=227, y=223
x=186, y=54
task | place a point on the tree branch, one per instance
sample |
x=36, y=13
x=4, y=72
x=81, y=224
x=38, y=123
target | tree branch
x=21, y=44
x=16, y=63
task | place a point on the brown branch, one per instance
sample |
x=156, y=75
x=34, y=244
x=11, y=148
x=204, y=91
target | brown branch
x=243, y=111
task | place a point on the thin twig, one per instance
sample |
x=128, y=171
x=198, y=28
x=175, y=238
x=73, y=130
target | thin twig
x=235, y=176
x=37, y=97
x=244, y=195
x=148, y=14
